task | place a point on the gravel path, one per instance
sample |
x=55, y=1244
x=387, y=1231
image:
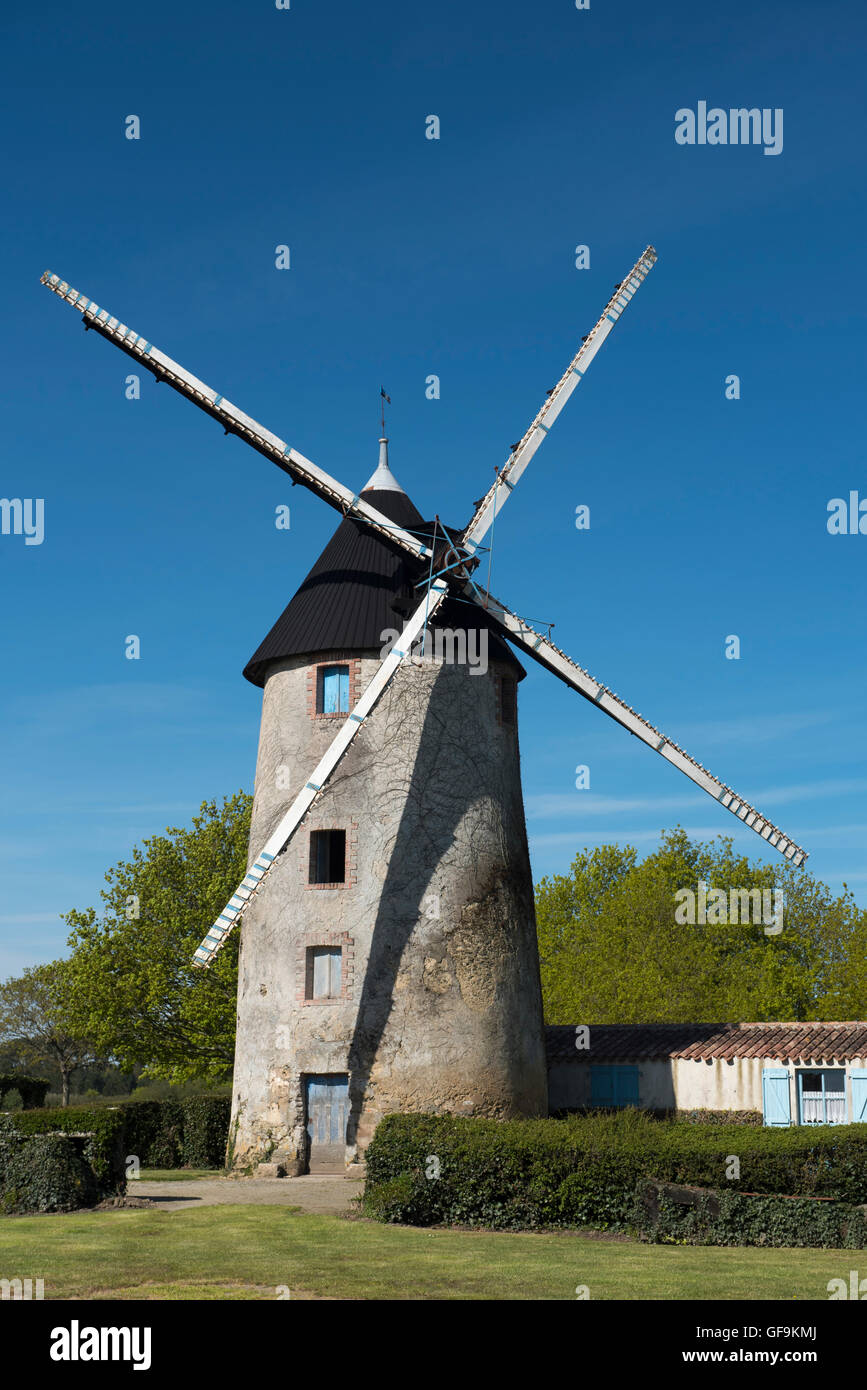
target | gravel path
x=312, y=1193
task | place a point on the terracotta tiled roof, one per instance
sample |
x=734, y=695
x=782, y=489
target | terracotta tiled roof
x=786, y=1042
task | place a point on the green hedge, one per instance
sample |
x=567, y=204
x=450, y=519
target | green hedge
x=585, y=1170
x=45, y=1172
x=189, y=1133
x=105, y=1150
x=728, y=1218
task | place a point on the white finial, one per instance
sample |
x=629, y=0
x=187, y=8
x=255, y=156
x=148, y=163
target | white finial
x=383, y=480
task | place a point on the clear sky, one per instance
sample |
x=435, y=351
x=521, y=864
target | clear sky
x=456, y=257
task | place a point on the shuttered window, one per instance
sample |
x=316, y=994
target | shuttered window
x=333, y=691
x=613, y=1086
x=324, y=972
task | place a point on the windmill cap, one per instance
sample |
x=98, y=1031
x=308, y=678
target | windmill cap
x=382, y=480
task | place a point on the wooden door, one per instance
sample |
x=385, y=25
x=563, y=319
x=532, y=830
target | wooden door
x=327, y=1114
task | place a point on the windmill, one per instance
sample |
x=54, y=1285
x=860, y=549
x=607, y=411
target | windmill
x=388, y=960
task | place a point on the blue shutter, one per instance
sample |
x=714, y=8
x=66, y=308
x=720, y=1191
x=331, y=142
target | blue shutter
x=775, y=1096
x=858, y=1077
x=626, y=1086
x=335, y=689
x=613, y=1086
x=601, y=1085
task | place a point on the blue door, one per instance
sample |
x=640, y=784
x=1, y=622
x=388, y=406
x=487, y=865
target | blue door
x=327, y=1110
x=858, y=1078
x=775, y=1096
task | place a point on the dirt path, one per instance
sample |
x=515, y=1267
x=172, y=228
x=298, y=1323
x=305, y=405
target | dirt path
x=312, y=1193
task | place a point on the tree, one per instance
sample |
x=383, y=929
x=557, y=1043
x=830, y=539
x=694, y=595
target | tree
x=32, y=1012
x=612, y=951
x=132, y=982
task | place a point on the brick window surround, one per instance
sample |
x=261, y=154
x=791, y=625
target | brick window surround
x=314, y=682
x=347, y=966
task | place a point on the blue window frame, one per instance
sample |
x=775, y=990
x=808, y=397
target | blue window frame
x=614, y=1086
x=333, y=690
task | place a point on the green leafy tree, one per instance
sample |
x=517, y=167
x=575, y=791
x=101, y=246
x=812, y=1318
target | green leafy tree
x=35, y=1020
x=612, y=951
x=133, y=985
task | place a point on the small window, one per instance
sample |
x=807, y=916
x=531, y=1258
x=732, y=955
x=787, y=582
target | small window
x=508, y=700
x=823, y=1097
x=328, y=856
x=324, y=972
x=333, y=690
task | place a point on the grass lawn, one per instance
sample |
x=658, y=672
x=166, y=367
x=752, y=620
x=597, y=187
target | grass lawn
x=177, y=1174
x=245, y=1252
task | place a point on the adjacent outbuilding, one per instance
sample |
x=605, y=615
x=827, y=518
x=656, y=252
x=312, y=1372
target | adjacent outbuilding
x=790, y=1073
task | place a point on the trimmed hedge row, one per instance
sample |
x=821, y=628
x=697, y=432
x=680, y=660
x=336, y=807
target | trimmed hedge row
x=728, y=1218
x=188, y=1133
x=104, y=1150
x=46, y=1172
x=427, y=1169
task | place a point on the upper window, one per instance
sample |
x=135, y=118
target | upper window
x=332, y=695
x=327, y=856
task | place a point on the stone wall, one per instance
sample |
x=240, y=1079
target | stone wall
x=443, y=1012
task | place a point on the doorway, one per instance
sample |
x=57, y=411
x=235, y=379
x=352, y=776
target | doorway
x=327, y=1111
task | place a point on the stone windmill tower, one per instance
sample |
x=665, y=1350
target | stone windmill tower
x=392, y=963
x=388, y=958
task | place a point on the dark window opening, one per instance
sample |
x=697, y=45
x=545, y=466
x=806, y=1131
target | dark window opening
x=508, y=700
x=328, y=856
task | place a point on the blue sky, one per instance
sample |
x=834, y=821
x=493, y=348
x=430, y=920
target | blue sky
x=409, y=256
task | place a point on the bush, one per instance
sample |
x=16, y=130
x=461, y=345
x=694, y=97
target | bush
x=189, y=1133
x=729, y=1218
x=104, y=1149
x=585, y=1170
x=205, y=1131
x=31, y=1089
x=45, y=1173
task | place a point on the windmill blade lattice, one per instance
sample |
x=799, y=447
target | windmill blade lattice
x=533, y=436
x=553, y=659
x=233, y=420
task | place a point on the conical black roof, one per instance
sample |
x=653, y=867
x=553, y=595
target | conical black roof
x=359, y=586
